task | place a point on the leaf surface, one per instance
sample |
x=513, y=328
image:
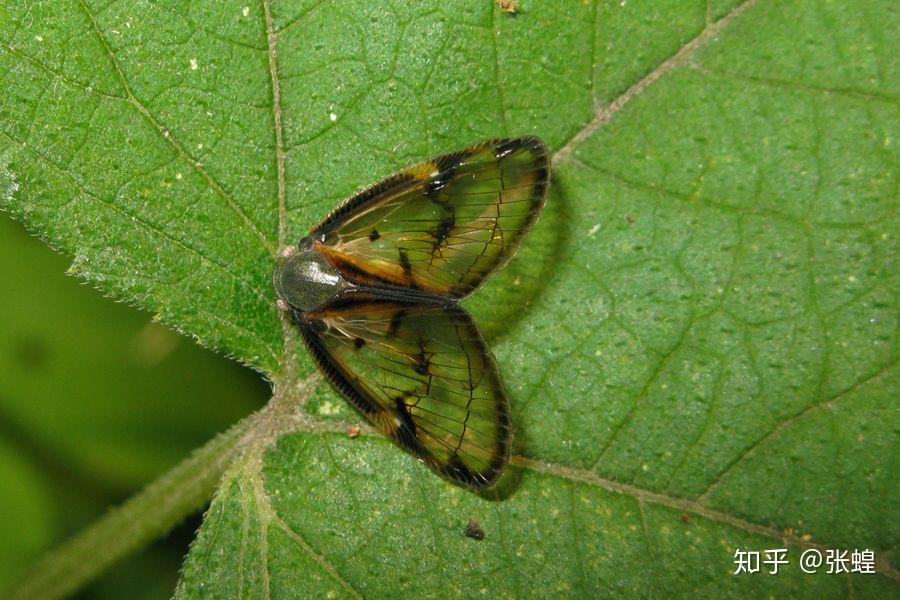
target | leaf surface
x=699, y=338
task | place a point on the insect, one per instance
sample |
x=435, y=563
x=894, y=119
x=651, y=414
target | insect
x=375, y=289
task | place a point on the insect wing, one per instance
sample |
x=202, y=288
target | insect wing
x=444, y=225
x=423, y=375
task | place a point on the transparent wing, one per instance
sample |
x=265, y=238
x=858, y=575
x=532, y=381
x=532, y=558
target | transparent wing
x=423, y=375
x=443, y=225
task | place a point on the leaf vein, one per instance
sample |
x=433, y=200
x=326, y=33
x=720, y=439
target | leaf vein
x=812, y=89
x=140, y=221
x=272, y=53
x=318, y=558
x=676, y=60
x=168, y=137
x=703, y=498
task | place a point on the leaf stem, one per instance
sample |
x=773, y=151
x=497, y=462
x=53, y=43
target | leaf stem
x=129, y=527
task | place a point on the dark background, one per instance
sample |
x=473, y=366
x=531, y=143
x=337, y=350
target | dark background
x=96, y=400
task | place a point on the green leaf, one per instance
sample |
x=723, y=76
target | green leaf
x=699, y=338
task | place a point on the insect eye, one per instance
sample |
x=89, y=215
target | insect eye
x=318, y=326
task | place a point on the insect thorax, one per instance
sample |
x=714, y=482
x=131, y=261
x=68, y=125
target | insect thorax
x=305, y=280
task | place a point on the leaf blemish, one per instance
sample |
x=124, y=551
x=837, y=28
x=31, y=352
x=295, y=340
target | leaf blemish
x=474, y=530
x=328, y=409
x=8, y=183
x=508, y=6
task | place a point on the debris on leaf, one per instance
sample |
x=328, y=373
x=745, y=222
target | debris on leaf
x=353, y=431
x=474, y=530
x=507, y=6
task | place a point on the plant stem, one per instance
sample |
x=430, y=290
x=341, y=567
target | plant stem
x=140, y=520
